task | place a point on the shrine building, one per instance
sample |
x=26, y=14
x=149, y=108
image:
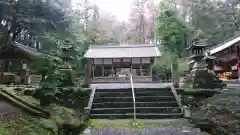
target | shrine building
x=105, y=63
x=227, y=62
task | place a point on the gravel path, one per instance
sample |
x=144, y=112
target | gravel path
x=149, y=131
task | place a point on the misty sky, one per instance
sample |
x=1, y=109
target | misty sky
x=119, y=8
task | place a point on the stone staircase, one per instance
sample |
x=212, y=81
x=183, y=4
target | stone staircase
x=151, y=103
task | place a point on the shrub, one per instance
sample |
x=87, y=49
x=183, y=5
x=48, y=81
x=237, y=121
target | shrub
x=66, y=120
x=221, y=112
x=72, y=98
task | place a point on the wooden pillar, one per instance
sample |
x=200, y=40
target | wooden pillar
x=150, y=70
x=87, y=72
x=27, y=75
x=131, y=66
x=102, y=67
x=237, y=55
x=93, y=70
x=112, y=68
x=140, y=66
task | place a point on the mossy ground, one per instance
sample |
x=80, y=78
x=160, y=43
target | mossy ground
x=129, y=123
x=23, y=126
x=29, y=125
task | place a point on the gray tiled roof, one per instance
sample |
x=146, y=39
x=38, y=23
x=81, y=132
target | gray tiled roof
x=28, y=49
x=223, y=46
x=122, y=51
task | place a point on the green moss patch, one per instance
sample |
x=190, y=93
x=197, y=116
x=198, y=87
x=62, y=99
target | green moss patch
x=23, y=126
x=129, y=123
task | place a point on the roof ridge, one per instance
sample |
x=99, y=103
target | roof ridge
x=122, y=46
x=224, y=42
x=224, y=45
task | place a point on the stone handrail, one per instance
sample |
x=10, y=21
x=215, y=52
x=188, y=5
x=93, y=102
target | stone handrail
x=89, y=107
x=24, y=105
x=176, y=96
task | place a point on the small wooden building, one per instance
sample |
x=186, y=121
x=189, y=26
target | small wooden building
x=227, y=57
x=14, y=60
x=105, y=63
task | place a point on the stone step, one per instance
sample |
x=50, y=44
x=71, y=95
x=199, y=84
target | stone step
x=157, y=104
x=138, y=104
x=151, y=103
x=137, y=93
x=138, y=110
x=154, y=98
x=138, y=116
x=154, y=93
x=138, y=99
x=135, y=89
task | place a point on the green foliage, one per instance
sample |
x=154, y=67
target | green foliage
x=163, y=64
x=31, y=17
x=49, y=124
x=218, y=19
x=137, y=124
x=227, y=101
x=191, y=97
x=171, y=31
x=51, y=79
x=189, y=100
x=182, y=67
x=64, y=115
x=221, y=112
x=66, y=120
x=45, y=66
x=24, y=126
x=72, y=98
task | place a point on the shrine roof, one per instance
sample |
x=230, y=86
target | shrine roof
x=196, y=46
x=191, y=62
x=201, y=44
x=29, y=51
x=224, y=45
x=209, y=57
x=122, y=51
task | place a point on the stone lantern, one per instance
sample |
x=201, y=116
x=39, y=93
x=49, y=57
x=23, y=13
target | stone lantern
x=67, y=57
x=66, y=68
x=202, y=65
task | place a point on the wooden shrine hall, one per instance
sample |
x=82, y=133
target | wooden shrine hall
x=105, y=63
x=14, y=63
x=227, y=62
